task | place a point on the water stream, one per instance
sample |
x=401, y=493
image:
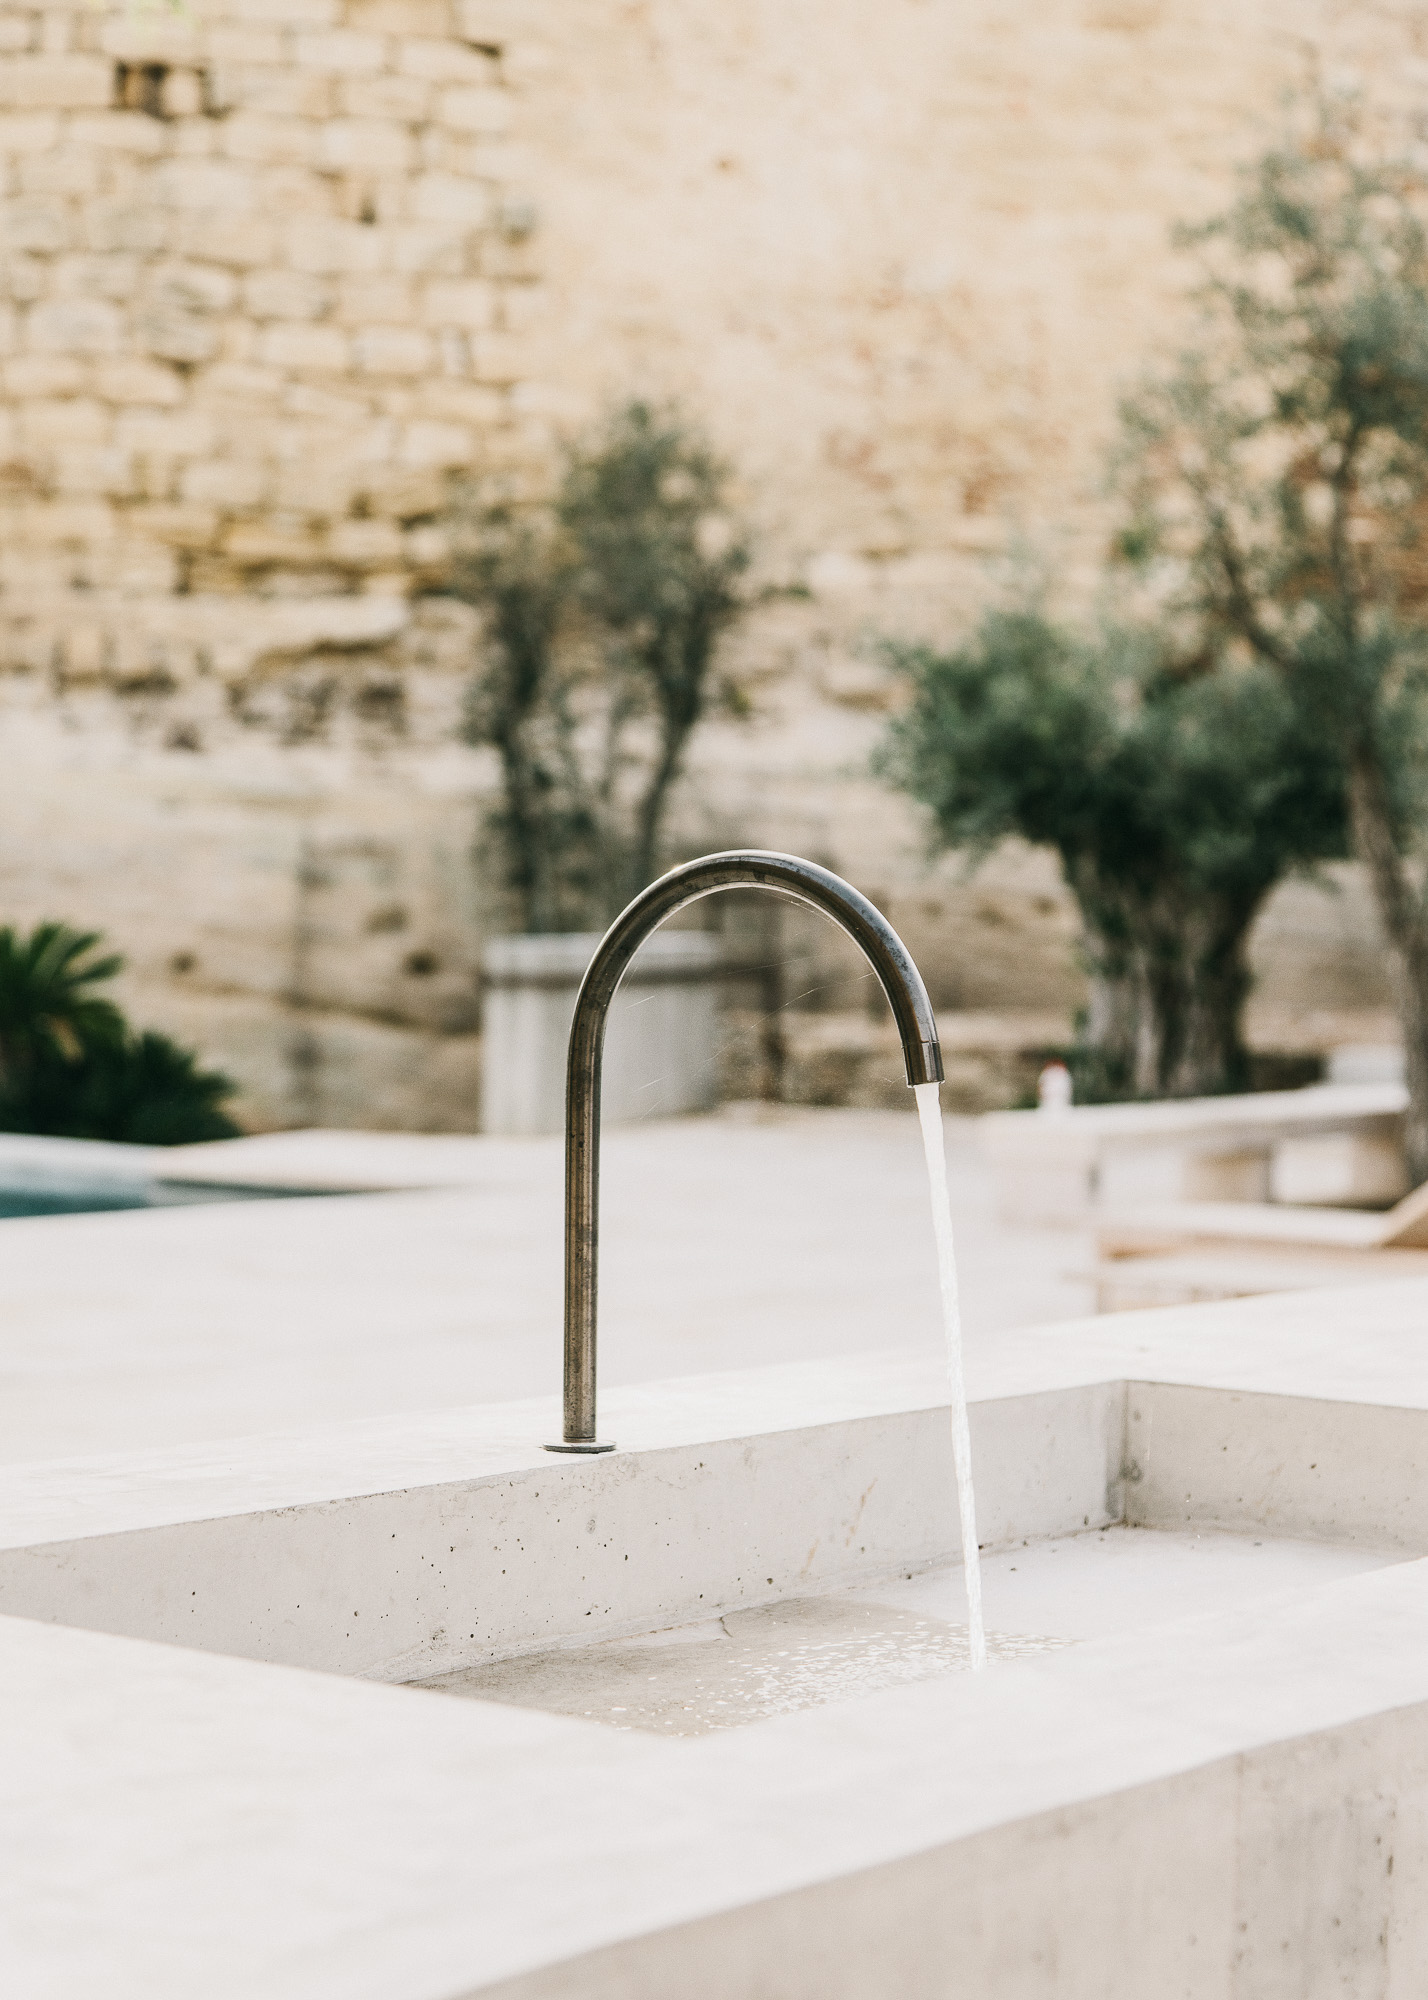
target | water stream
x=929, y=1111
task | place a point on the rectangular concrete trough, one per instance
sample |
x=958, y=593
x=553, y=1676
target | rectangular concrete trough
x=1232, y=1802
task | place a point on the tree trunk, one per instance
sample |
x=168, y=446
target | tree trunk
x=1165, y=1010
x=1207, y=1054
x=1401, y=911
x=1114, y=1011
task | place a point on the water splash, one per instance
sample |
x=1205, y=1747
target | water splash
x=929, y=1111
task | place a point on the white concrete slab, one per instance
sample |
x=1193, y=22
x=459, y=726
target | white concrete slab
x=345, y=1162
x=1059, y=1167
x=176, y=1823
x=725, y=1244
x=412, y=1549
x=417, y=1547
x=1203, y=1806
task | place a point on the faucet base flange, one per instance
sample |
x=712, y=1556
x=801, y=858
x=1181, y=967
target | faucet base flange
x=582, y=1444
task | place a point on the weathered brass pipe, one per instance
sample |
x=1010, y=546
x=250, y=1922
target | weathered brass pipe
x=785, y=875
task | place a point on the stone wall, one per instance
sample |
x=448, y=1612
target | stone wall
x=277, y=270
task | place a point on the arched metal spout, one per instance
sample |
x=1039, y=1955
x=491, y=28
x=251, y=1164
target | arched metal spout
x=786, y=875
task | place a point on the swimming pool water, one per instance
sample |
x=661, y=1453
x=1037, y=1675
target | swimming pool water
x=78, y=1201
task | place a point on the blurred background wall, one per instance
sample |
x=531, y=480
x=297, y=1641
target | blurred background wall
x=277, y=273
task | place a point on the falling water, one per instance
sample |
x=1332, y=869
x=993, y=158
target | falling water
x=929, y=1110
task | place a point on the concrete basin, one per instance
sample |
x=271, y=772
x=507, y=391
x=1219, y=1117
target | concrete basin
x=723, y=1673
x=1198, y=1763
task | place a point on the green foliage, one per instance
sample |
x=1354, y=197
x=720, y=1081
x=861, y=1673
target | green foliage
x=70, y=1066
x=1175, y=800
x=1278, y=478
x=603, y=619
x=1277, y=487
x=47, y=1005
x=521, y=702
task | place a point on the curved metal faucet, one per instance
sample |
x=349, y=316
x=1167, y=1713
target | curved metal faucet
x=786, y=875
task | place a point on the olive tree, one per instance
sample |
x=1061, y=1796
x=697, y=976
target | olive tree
x=1175, y=796
x=1276, y=488
x=603, y=617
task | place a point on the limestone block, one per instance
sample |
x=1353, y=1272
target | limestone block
x=40, y=226
x=304, y=346
x=33, y=132
x=24, y=278
x=469, y=303
x=493, y=23
x=180, y=525
x=285, y=13
x=427, y=548
x=325, y=405
x=183, y=95
x=74, y=420
x=325, y=244
x=399, y=17
x=273, y=540
x=136, y=381
x=95, y=137
x=453, y=353
x=17, y=32
x=319, y=487
x=257, y=136
x=75, y=326
x=239, y=240
x=242, y=47
x=392, y=350
x=286, y=295
x=216, y=187
x=193, y=287
x=134, y=568
x=55, y=82
x=436, y=444
x=449, y=199
x=522, y=308
x=228, y=482
x=368, y=544
x=498, y=357
x=403, y=491
x=442, y=61
x=133, y=228
x=69, y=174
x=142, y=37
x=332, y=621
x=375, y=145
x=84, y=276
x=180, y=433
x=437, y=249
x=474, y=110
x=33, y=376
x=489, y=157
x=405, y=98
x=281, y=93
x=340, y=50
x=363, y=301
x=74, y=470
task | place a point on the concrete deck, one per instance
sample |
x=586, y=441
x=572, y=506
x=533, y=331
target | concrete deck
x=1202, y=1804
x=727, y=1242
